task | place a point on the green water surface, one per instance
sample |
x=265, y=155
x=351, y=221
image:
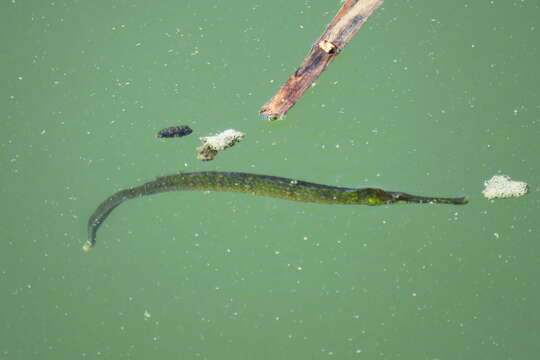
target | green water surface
x=429, y=98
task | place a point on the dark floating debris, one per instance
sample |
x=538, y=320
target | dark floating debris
x=174, y=131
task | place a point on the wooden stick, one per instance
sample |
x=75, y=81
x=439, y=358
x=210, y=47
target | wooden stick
x=349, y=19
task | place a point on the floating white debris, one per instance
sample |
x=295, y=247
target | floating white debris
x=502, y=186
x=223, y=140
x=213, y=144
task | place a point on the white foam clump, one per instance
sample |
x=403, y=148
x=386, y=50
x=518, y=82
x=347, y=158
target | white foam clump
x=223, y=140
x=502, y=186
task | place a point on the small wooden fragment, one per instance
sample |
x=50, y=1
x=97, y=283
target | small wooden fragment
x=349, y=19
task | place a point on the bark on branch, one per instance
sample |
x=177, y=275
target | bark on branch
x=349, y=19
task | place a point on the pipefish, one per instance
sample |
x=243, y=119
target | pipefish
x=264, y=185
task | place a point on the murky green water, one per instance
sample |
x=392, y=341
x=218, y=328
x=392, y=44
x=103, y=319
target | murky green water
x=430, y=97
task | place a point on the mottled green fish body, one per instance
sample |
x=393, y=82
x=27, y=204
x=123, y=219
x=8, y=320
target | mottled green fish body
x=263, y=185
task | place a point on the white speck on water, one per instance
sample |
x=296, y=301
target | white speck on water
x=147, y=314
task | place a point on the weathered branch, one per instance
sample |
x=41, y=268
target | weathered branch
x=349, y=19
